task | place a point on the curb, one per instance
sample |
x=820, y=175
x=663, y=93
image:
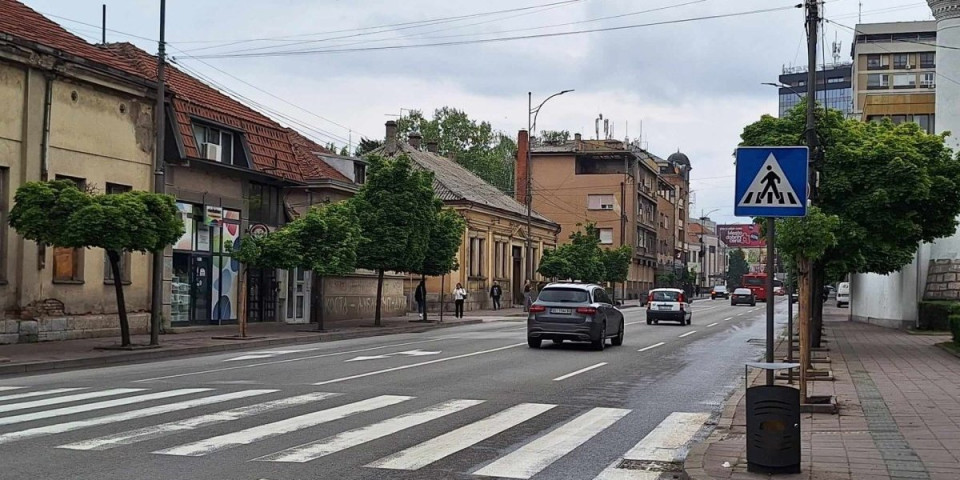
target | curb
x=151, y=355
x=945, y=346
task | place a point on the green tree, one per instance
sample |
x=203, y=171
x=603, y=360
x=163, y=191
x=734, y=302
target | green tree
x=366, y=146
x=554, y=136
x=58, y=213
x=446, y=235
x=738, y=267
x=554, y=264
x=616, y=266
x=396, y=207
x=472, y=144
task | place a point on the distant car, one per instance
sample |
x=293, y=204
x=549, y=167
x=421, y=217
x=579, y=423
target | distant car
x=843, y=294
x=779, y=291
x=743, y=295
x=719, y=291
x=576, y=312
x=669, y=304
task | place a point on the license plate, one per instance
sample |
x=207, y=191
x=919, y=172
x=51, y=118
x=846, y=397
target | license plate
x=666, y=307
x=560, y=310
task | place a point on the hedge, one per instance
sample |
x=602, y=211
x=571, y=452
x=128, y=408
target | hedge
x=934, y=315
x=955, y=328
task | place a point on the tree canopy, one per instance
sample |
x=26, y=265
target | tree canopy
x=446, y=234
x=738, y=267
x=582, y=259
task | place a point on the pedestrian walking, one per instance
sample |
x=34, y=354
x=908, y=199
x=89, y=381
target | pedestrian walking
x=421, y=297
x=698, y=290
x=527, y=300
x=459, y=295
x=495, y=294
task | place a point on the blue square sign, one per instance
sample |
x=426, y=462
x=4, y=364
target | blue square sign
x=771, y=182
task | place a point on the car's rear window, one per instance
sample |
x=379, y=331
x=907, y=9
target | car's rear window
x=665, y=296
x=720, y=288
x=742, y=291
x=564, y=295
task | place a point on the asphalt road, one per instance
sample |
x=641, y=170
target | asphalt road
x=467, y=402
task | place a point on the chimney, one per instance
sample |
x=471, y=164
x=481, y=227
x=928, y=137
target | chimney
x=414, y=139
x=390, y=143
x=523, y=146
x=433, y=147
x=577, y=137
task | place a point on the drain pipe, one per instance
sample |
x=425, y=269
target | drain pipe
x=45, y=157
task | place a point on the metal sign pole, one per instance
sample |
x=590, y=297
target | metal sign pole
x=790, y=334
x=771, y=223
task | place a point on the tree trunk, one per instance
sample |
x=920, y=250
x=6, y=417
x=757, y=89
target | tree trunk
x=443, y=279
x=423, y=278
x=816, y=319
x=803, y=318
x=376, y=318
x=114, y=257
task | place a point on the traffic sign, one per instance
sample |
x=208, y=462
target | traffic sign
x=771, y=182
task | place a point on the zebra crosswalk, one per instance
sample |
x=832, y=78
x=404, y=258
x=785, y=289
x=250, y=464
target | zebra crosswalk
x=77, y=410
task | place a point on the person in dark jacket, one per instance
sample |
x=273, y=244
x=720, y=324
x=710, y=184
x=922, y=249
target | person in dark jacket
x=495, y=294
x=421, y=297
x=527, y=296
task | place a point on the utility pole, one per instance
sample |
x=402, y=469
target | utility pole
x=156, y=295
x=807, y=293
x=528, y=195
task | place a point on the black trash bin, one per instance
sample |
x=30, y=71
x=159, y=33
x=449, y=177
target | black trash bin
x=773, y=429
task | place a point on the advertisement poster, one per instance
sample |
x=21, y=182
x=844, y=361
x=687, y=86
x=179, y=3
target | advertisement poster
x=741, y=236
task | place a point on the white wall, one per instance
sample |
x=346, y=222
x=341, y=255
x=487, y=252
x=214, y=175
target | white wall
x=948, y=93
x=890, y=300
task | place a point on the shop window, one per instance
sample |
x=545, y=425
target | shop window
x=111, y=189
x=68, y=262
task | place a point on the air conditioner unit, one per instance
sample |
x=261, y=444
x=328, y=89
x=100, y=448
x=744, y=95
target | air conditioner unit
x=211, y=151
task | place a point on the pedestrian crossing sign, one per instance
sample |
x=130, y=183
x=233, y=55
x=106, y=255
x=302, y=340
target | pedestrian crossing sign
x=771, y=182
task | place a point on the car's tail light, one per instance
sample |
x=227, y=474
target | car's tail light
x=587, y=310
x=537, y=309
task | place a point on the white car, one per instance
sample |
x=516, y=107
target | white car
x=669, y=304
x=843, y=294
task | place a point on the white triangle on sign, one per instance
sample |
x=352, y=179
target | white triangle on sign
x=770, y=188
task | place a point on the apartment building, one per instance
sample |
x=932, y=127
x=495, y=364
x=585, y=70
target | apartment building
x=834, y=88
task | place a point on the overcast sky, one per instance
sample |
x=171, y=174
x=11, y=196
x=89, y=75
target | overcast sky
x=692, y=85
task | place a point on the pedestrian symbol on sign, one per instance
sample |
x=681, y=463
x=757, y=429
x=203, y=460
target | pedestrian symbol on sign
x=769, y=188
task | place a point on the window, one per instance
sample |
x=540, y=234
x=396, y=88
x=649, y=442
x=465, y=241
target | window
x=476, y=256
x=928, y=60
x=606, y=236
x=904, y=80
x=500, y=266
x=264, y=204
x=877, y=62
x=928, y=80
x=835, y=80
x=600, y=202
x=112, y=189
x=600, y=296
x=563, y=295
x=901, y=61
x=359, y=173
x=801, y=83
x=68, y=262
x=878, y=81
x=223, y=139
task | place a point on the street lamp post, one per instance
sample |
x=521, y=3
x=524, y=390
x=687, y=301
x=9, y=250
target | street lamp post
x=529, y=190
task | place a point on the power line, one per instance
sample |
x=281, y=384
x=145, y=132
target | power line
x=503, y=39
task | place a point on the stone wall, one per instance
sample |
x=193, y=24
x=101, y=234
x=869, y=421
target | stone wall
x=353, y=297
x=943, y=280
x=45, y=329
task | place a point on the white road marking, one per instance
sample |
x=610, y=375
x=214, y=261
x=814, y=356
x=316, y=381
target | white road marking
x=739, y=314
x=651, y=347
x=633, y=323
x=89, y=407
x=276, y=362
x=366, y=357
x=250, y=435
x=408, y=353
x=419, y=353
x=124, y=416
x=665, y=443
x=691, y=332
x=727, y=319
x=252, y=356
x=464, y=437
x=267, y=354
x=3, y=389
x=170, y=428
x=430, y=362
x=714, y=324
x=533, y=457
x=41, y=393
x=67, y=399
x=359, y=436
x=564, y=377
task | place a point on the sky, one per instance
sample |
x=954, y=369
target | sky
x=681, y=80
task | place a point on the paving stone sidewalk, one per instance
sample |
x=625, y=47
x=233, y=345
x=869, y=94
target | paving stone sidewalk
x=899, y=399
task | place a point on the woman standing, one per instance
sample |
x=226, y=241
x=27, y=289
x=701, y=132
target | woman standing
x=459, y=295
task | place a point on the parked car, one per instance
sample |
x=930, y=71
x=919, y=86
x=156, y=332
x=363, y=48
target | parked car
x=743, y=295
x=843, y=294
x=719, y=291
x=576, y=312
x=669, y=304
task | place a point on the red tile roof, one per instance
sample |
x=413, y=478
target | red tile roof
x=312, y=166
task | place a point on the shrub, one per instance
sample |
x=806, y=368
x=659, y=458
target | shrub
x=934, y=315
x=955, y=328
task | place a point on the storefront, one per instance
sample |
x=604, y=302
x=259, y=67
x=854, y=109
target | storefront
x=205, y=287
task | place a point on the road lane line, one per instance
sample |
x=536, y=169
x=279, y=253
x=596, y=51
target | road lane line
x=41, y=393
x=739, y=314
x=158, y=431
x=727, y=319
x=89, y=407
x=464, y=437
x=691, y=332
x=578, y=372
x=429, y=362
x=276, y=362
x=3, y=389
x=250, y=435
x=651, y=347
x=533, y=457
x=67, y=399
x=633, y=323
x=665, y=443
x=714, y=324
x=352, y=438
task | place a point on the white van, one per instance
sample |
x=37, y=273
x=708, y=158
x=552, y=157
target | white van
x=843, y=294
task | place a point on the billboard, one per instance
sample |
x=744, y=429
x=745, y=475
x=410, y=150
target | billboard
x=741, y=236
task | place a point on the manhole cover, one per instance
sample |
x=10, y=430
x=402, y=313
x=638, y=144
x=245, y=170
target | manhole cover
x=651, y=466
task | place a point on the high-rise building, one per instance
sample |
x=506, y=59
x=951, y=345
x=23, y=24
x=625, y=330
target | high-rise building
x=834, y=87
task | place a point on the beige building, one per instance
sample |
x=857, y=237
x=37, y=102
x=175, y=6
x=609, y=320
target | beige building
x=674, y=200
x=894, y=72
x=493, y=246
x=606, y=182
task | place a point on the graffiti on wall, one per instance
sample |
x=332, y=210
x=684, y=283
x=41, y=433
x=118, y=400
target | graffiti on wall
x=341, y=307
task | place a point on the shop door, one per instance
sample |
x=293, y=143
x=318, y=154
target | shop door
x=297, y=296
x=262, y=295
x=201, y=275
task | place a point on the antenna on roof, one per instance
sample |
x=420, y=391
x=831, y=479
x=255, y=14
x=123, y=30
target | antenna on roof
x=860, y=12
x=103, y=25
x=836, y=49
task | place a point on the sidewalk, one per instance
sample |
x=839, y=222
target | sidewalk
x=899, y=399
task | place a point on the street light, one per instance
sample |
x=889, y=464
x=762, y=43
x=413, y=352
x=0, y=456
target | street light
x=529, y=195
